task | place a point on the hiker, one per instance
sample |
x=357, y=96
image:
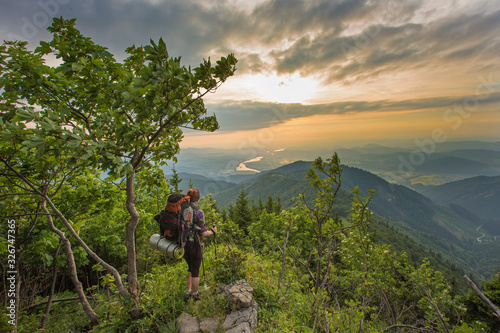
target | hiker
x=193, y=251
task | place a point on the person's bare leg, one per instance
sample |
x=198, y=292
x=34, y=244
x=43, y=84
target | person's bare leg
x=189, y=282
x=195, y=283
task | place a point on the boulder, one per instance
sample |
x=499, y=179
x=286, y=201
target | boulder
x=243, y=316
x=241, y=328
x=188, y=323
x=209, y=325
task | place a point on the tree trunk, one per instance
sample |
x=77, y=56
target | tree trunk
x=116, y=275
x=133, y=282
x=52, y=288
x=72, y=268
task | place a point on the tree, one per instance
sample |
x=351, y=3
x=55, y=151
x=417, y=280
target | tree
x=241, y=213
x=175, y=181
x=326, y=178
x=92, y=112
x=270, y=204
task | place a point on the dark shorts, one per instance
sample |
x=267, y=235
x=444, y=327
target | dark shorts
x=193, y=253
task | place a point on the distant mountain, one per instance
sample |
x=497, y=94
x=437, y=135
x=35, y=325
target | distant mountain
x=480, y=195
x=457, y=145
x=477, y=154
x=446, y=161
x=462, y=162
x=204, y=184
x=439, y=164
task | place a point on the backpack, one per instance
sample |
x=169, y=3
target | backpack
x=176, y=220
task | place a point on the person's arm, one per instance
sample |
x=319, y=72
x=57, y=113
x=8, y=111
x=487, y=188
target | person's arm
x=200, y=216
x=210, y=232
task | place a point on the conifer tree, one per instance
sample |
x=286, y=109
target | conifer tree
x=241, y=213
x=261, y=206
x=270, y=204
x=278, y=207
x=175, y=181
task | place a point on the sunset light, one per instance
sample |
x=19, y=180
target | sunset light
x=269, y=88
x=283, y=89
x=339, y=71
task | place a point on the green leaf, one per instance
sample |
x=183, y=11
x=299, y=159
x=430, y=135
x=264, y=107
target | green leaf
x=44, y=48
x=24, y=115
x=76, y=66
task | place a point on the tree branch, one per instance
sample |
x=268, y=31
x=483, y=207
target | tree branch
x=483, y=297
x=53, y=301
x=72, y=266
x=91, y=253
x=49, y=91
x=407, y=326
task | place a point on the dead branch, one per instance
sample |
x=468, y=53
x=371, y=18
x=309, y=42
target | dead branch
x=483, y=297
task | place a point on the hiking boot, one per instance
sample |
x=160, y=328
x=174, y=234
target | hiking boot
x=196, y=297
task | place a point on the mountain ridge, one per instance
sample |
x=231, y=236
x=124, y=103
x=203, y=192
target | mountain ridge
x=480, y=195
x=452, y=231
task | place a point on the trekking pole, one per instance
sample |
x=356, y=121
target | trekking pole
x=215, y=243
x=203, y=265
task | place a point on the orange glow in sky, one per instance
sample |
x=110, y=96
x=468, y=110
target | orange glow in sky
x=336, y=71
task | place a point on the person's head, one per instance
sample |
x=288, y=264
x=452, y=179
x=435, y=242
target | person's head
x=194, y=194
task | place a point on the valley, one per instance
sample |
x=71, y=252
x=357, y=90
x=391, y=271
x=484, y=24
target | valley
x=458, y=220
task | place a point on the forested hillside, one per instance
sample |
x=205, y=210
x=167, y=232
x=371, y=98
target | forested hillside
x=450, y=231
x=479, y=195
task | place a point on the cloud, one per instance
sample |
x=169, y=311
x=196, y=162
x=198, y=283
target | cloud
x=251, y=115
x=340, y=40
x=370, y=56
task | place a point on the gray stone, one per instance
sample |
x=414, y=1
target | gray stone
x=241, y=328
x=242, y=320
x=209, y=324
x=246, y=315
x=188, y=323
x=239, y=294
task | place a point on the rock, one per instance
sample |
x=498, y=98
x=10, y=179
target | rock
x=241, y=328
x=209, y=324
x=188, y=323
x=239, y=294
x=242, y=320
x=246, y=315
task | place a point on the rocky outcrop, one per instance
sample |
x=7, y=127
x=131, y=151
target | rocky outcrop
x=243, y=318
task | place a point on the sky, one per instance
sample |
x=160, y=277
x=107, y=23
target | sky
x=320, y=73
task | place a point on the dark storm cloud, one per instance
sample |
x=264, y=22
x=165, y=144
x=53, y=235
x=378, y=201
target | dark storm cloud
x=190, y=28
x=384, y=49
x=338, y=40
